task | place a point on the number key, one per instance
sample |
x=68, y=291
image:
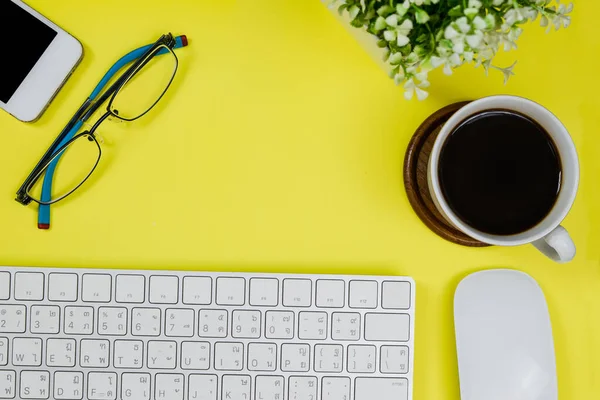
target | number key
x=179, y=322
x=279, y=325
x=145, y=322
x=79, y=320
x=12, y=319
x=246, y=324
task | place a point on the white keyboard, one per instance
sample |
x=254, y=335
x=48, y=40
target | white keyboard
x=75, y=334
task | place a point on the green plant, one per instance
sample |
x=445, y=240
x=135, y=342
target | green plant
x=418, y=36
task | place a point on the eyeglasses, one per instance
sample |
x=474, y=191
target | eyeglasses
x=130, y=97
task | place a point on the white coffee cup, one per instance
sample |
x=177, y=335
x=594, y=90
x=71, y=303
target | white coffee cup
x=547, y=236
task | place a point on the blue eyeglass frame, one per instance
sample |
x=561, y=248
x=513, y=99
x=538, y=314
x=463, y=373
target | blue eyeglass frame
x=80, y=117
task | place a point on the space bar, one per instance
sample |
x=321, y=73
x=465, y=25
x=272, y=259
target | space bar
x=381, y=389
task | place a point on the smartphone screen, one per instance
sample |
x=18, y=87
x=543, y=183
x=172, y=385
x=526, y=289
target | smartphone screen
x=29, y=39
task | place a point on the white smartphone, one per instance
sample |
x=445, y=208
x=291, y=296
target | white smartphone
x=35, y=64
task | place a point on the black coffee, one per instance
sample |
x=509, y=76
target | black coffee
x=500, y=172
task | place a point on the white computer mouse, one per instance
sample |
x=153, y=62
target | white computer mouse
x=504, y=338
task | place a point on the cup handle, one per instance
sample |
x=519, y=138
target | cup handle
x=557, y=245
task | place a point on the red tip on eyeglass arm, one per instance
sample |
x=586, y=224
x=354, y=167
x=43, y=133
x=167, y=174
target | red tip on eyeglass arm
x=43, y=226
x=184, y=40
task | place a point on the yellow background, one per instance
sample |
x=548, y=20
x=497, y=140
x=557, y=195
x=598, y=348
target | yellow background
x=280, y=147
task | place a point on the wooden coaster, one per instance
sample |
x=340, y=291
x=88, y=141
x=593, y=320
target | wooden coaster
x=415, y=177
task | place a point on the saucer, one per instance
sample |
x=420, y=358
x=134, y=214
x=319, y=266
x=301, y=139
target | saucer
x=415, y=177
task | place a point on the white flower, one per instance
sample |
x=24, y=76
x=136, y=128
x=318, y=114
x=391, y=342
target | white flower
x=479, y=23
x=399, y=77
x=507, y=72
x=389, y=35
x=392, y=20
x=449, y=61
x=410, y=88
x=403, y=31
x=463, y=24
x=474, y=41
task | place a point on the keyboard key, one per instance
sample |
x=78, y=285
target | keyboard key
x=264, y=292
x=203, y=387
x=229, y=356
x=236, y=387
x=212, y=323
x=68, y=385
x=169, y=387
x=112, y=321
x=313, y=325
x=246, y=324
x=94, y=353
x=60, y=352
x=295, y=357
x=329, y=358
x=128, y=354
x=135, y=386
x=164, y=289
x=195, y=355
x=361, y=358
x=179, y=322
x=79, y=320
x=145, y=322
x=297, y=292
x=337, y=388
x=162, y=354
x=231, y=291
x=130, y=289
x=27, y=352
x=303, y=387
x=12, y=318
x=386, y=388
x=4, y=286
x=35, y=385
x=346, y=326
x=3, y=351
x=62, y=287
x=395, y=295
x=387, y=327
x=394, y=359
x=45, y=319
x=102, y=386
x=269, y=387
x=363, y=294
x=331, y=293
x=262, y=356
x=8, y=380
x=29, y=286
x=279, y=325
x=197, y=290
x=96, y=288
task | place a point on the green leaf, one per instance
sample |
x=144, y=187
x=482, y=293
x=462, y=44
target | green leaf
x=386, y=10
x=456, y=12
x=395, y=58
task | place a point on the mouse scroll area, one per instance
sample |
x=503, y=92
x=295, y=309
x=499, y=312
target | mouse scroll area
x=504, y=338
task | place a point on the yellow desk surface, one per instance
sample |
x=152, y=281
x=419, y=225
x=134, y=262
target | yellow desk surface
x=280, y=147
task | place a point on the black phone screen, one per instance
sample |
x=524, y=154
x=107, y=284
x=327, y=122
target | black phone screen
x=27, y=38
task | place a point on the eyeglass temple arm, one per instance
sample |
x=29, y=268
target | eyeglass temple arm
x=46, y=195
